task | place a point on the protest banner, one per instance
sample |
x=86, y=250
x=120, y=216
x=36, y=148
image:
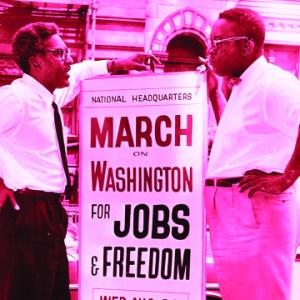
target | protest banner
x=143, y=152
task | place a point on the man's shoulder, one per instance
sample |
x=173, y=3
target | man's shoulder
x=279, y=72
x=14, y=90
x=6, y=90
x=272, y=76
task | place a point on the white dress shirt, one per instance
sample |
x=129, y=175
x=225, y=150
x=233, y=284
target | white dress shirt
x=29, y=151
x=259, y=126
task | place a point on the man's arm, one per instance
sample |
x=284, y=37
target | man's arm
x=7, y=194
x=138, y=62
x=215, y=95
x=292, y=170
x=256, y=180
x=90, y=68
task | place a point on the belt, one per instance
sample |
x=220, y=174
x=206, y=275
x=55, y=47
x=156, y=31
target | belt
x=40, y=194
x=223, y=182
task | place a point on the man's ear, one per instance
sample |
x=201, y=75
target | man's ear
x=34, y=62
x=248, y=48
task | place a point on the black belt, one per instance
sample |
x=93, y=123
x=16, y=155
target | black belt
x=223, y=182
x=40, y=194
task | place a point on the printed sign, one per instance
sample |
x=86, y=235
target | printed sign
x=143, y=152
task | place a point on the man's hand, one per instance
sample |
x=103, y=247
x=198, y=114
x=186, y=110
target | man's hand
x=138, y=62
x=215, y=94
x=7, y=194
x=212, y=84
x=256, y=180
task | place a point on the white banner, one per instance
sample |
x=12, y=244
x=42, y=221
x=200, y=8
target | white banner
x=143, y=152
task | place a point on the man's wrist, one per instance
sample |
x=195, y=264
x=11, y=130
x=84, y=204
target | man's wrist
x=288, y=179
x=112, y=66
x=1, y=182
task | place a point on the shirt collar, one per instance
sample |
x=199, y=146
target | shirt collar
x=260, y=63
x=43, y=93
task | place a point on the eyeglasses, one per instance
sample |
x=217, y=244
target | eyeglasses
x=214, y=43
x=61, y=53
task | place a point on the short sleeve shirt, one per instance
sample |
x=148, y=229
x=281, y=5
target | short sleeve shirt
x=259, y=126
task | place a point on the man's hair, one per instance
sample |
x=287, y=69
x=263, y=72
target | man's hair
x=29, y=40
x=250, y=24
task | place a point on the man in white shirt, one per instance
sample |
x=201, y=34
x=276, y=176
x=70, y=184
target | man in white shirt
x=33, y=223
x=251, y=205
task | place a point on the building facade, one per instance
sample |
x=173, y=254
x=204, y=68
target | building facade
x=176, y=31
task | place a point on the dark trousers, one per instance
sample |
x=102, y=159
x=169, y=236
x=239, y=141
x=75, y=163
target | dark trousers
x=33, y=259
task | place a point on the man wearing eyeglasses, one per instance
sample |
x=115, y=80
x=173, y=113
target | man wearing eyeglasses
x=252, y=210
x=33, y=223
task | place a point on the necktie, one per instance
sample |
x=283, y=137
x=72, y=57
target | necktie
x=60, y=138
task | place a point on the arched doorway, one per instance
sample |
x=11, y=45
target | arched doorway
x=183, y=52
x=180, y=39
